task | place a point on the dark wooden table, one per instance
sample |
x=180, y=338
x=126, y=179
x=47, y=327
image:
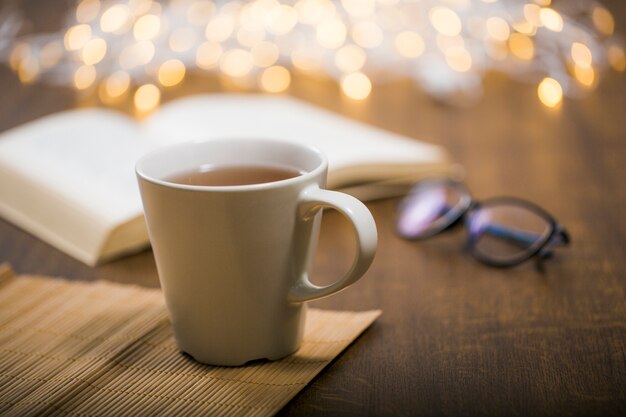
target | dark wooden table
x=456, y=337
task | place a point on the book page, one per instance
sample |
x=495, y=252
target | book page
x=356, y=152
x=85, y=156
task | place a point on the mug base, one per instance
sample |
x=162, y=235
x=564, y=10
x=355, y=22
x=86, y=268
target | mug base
x=235, y=362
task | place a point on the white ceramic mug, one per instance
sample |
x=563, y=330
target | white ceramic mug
x=233, y=260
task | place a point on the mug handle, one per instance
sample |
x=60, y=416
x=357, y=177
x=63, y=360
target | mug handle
x=312, y=199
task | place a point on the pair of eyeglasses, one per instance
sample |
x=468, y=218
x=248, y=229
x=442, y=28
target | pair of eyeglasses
x=501, y=231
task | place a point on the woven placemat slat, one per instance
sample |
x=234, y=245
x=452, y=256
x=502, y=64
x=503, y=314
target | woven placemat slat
x=104, y=349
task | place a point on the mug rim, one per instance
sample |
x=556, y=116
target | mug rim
x=321, y=166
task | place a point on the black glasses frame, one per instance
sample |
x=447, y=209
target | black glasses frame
x=461, y=214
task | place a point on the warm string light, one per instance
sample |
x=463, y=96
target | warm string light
x=119, y=47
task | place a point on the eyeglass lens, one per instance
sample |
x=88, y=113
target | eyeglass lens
x=430, y=208
x=505, y=232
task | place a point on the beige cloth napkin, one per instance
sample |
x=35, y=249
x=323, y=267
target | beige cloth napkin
x=105, y=349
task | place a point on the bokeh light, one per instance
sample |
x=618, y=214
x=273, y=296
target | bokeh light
x=236, y=63
x=356, y=86
x=275, y=79
x=147, y=98
x=281, y=19
x=331, y=33
x=409, y=44
x=497, y=28
x=350, y=58
x=603, y=20
x=171, y=72
x=77, y=36
x=28, y=70
x=264, y=54
x=617, y=58
x=521, y=46
x=551, y=19
x=208, y=55
x=581, y=54
x=182, y=39
x=367, y=34
x=585, y=75
x=50, y=54
x=87, y=10
x=550, y=92
x=94, y=51
x=147, y=27
x=117, y=84
x=139, y=53
x=459, y=59
x=84, y=77
x=220, y=28
x=199, y=12
x=114, y=18
x=445, y=21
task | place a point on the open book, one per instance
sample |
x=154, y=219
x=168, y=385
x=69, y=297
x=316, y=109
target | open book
x=69, y=178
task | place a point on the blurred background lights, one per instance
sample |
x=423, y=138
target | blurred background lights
x=367, y=34
x=459, y=58
x=264, y=54
x=220, y=28
x=359, y=8
x=84, y=77
x=208, y=55
x=50, y=54
x=603, y=20
x=445, y=21
x=28, y=70
x=551, y=19
x=584, y=75
x=182, y=39
x=521, y=46
x=350, y=58
x=87, y=10
x=275, y=79
x=114, y=18
x=532, y=14
x=581, y=55
x=93, y=51
x=77, y=36
x=20, y=52
x=147, y=27
x=356, y=86
x=171, y=72
x=117, y=84
x=250, y=36
x=331, y=33
x=306, y=60
x=616, y=58
x=147, y=98
x=497, y=28
x=200, y=12
x=137, y=54
x=281, y=19
x=311, y=12
x=236, y=62
x=445, y=46
x=550, y=92
x=525, y=27
x=409, y=44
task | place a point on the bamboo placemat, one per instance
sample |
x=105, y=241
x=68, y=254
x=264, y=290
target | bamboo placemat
x=104, y=349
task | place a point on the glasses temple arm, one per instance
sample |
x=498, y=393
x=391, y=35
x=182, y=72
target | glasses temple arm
x=516, y=236
x=525, y=239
